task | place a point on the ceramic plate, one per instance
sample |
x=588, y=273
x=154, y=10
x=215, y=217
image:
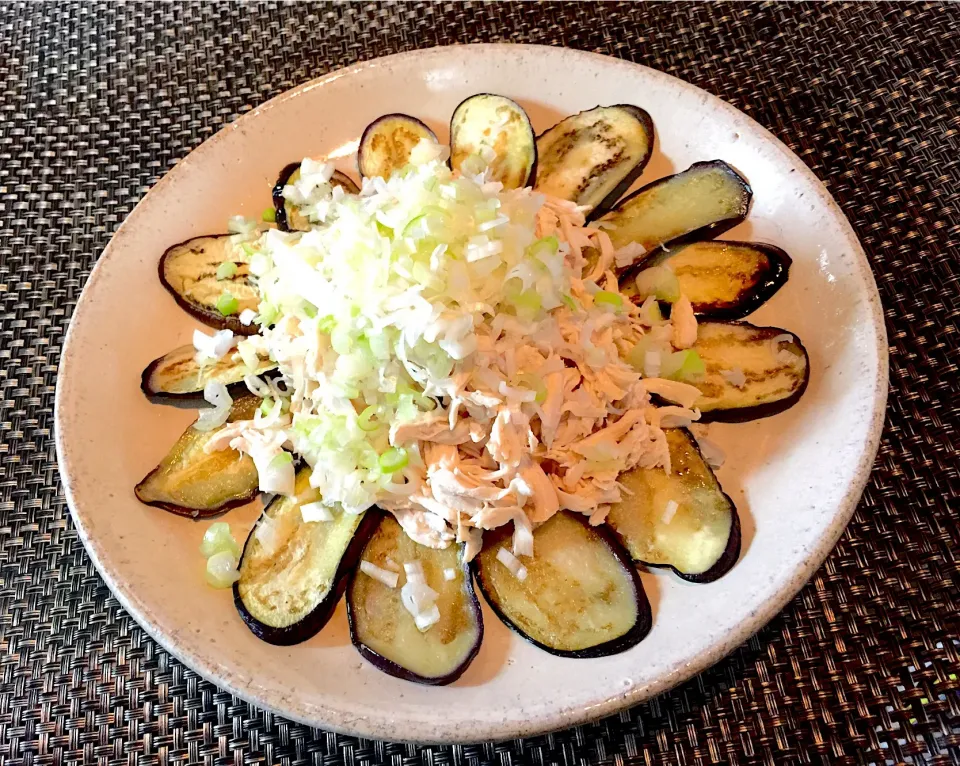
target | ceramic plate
x=795, y=477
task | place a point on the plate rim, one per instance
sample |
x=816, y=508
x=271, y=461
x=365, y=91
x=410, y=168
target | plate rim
x=344, y=723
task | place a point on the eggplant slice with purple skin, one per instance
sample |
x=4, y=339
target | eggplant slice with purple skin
x=191, y=482
x=751, y=372
x=177, y=376
x=581, y=597
x=702, y=202
x=189, y=272
x=288, y=592
x=384, y=631
x=591, y=158
x=699, y=538
x=386, y=144
x=287, y=215
x=487, y=122
x=722, y=280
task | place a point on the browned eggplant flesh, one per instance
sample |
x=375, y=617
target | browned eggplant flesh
x=293, y=572
x=751, y=372
x=195, y=483
x=723, y=280
x=189, y=272
x=591, y=158
x=386, y=144
x=178, y=375
x=578, y=596
x=288, y=215
x=386, y=633
x=702, y=202
x=682, y=519
x=486, y=123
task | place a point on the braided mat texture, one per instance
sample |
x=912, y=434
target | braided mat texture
x=99, y=99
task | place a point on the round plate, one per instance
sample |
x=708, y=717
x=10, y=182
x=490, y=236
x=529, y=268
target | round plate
x=795, y=477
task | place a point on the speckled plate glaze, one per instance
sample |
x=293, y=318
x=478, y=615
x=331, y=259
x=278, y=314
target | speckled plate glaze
x=796, y=477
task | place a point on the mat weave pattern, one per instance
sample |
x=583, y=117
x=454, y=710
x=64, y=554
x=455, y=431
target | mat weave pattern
x=99, y=99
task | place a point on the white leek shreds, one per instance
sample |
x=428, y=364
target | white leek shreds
x=427, y=619
x=388, y=578
x=257, y=387
x=210, y=347
x=669, y=511
x=221, y=570
x=216, y=394
x=712, y=452
x=276, y=471
x=512, y=563
x=315, y=512
x=735, y=377
x=247, y=316
x=522, y=535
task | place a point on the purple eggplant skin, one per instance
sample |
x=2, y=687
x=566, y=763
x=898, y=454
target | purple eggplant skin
x=418, y=125
x=314, y=622
x=390, y=667
x=610, y=200
x=639, y=631
x=209, y=318
x=755, y=412
x=279, y=203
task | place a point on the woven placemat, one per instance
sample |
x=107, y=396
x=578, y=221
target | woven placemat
x=98, y=100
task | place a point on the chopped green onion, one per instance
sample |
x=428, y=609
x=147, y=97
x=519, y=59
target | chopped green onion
x=217, y=538
x=326, y=324
x=636, y=357
x=267, y=314
x=266, y=405
x=569, y=302
x=660, y=282
x=365, y=420
x=248, y=249
x=226, y=270
x=227, y=304
x=528, y=301
x=682, y=365
x=269, y=215
x=221, y=571
x=310, y=310
x=281, y=460
x=535, y=383
x=650, y=313
x=425, y=403
x=547, y=246
x=393, y=460
x=607, y=298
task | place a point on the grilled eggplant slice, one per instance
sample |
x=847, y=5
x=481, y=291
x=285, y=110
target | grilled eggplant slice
x=751, y=372
x=702, y=202
x=699, y=537
x=383, y=630
x=582, y=596
x=286, y=594
x=288, y=216
x=189, y=272
x=191, y=482
x=386, y=144
x=496, y=123
x=177, y=376
x=591, y=158
x=724, y=280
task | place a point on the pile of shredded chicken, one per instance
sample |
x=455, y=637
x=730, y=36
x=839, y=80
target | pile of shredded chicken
x=491, y=454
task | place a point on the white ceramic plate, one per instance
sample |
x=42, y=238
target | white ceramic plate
x=796, y=477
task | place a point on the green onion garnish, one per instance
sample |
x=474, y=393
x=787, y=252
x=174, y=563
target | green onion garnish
x=607, y=298
x=365, y=420
x=227, y=304
x=393, y=460
x=227, y=270
x=269, y=215
x=281, y=460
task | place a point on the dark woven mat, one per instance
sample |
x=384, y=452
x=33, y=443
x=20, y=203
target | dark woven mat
x=98, y=100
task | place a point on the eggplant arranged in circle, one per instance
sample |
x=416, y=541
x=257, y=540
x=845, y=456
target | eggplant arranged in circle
x=189, y=272
x=287, y=215
x=702, y=202
x=751, y=372
x=289, y=585
x=489, y=123
x=178, y=376
x=386, y=144
x=722, y=280
x=192, y=482
x=681, y=520
x=591, y=158
x=385, y=633
x=581, y=595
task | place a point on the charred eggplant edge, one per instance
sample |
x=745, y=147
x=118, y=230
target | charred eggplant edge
x=314, y=622
x=746, y=414
x=191, y=513
x=390, y=667
x=165, y=397
x=375, y=123
x=636, y=634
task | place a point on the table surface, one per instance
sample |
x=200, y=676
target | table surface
x=98, y=100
